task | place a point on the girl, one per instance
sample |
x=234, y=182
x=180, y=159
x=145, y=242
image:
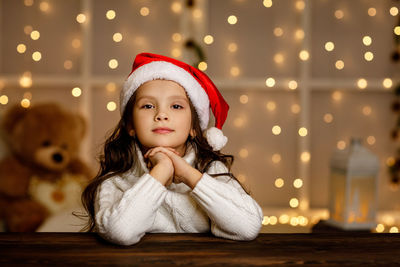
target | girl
x=158, y=172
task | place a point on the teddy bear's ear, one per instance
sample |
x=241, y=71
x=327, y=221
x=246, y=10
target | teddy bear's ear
x=81, y=124
x=12, y=117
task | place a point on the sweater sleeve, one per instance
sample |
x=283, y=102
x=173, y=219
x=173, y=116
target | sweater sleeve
x=125, y=213
x=233, y=213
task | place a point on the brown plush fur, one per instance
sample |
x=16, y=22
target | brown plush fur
x=44, y=142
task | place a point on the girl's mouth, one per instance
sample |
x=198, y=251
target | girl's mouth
x=162, y=130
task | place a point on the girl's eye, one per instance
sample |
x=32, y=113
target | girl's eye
x=147, y=106
x=176, y=106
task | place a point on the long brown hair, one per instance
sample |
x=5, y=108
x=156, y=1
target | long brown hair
x=119, y=156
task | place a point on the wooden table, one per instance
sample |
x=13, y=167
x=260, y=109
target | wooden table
x=78, y=249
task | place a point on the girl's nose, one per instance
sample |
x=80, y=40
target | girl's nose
x=161, y=116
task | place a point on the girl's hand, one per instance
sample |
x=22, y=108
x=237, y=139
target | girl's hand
x=161, y=167
x=183, y=171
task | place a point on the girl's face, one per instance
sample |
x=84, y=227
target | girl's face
x=162, y=115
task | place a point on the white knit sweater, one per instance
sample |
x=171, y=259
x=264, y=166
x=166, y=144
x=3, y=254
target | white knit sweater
x=130, y=205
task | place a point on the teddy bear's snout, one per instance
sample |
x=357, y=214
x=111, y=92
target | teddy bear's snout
x=58, y=158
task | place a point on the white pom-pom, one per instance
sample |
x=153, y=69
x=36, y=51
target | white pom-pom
x=215, y=138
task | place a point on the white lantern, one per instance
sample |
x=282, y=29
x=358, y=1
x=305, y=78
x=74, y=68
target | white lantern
x=353, y=188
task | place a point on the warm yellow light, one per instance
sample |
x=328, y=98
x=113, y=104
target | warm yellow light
x=367, y=40
x=28, y=2
x=300, y=5
x=270, y=82
x=36, y=56
x=68, y=64
x=366, y=110
x=44, y=6
x=284, y=219
x=305, y=156
x=176, y=52
x=292, y=85
x=380, y=228
x=371, y=140
x=176, y=37
x=279, y=58
x=208, y=39
x=276, y=130
x=294, y=202
x=117, y=37
x=397, y=30
x=26, y=80
x=111, y=87
x=304, y=55
x=28, y=29
x=111, y=106
x=303, y=131
x=244, y=99
x=232, y=19
x=25, y=103
x=328, y=118
x=232, y=47
x=303, y=221
x=271, y=105
x=362, y=83
x=21, y=48
x=390, y=161
x=339, y=14
x=339, y=64
x=368, y=56
x=3, y=100
x=202, y=66
x=371, y=12
x=265, y=220
x=197, y=14
x=341, y=145
x=144, y=11
x=176, y=7
x=273, y=220
x=81, y=18
x=394, y=230
x=243, y=153
x=35, y=35
x=113, y=63
x=337, y=95
x=235, y=71
x=298, y=183
x=267, y=3
x=110, y=14
x=278, y=31
x=295, y=108
x=329, y=46
x=394, y=11
x=76, y=91
x=294, y=221
x=299, y=34
x=276, y=158
x=387, y=83
x=238, y=122
x=76, y=43
x=279, y=183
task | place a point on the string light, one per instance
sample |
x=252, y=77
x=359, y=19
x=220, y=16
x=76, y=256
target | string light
x=279, y=58
x=394, y=11
x=235, y=71
x=76, y=43
x=303, y=131
x=44, y=6
x=232, y=47
x=366, y=110
x=371, y=11
x=243, y=153
x=393, y=230
x=387, y=83
x=278, y=31
x=368, y=56
x=113, y=63
x=339, y=64
x=238, y=122
x=28, y=2
x=36, y=56
x=110, y=14
x=292, y=85
x=28, y=29
x=202, y=66
x=329, y=46
x=279, y=183
x=305, y=156
x=380, y=228
x=176, y=37
x=176, y=52
x=337, y=96
x=68, y=64
x=397, y=30
x=300, y=5
x=295, y=108
x=341, y=145
x=232, y=19
x=294, y=221
x=271, y=105
x=144, y=11
x=208, y=39
x=298, y=183
x=117, y=37
x=25, y=103
x=176, y=7
x=367, y=40
x=328, y=118
x=3, y=99
x=197, y=13
x=299, y=34
x=390, y=161
x=339, y=14
x=294, y=202
x=76, y=92
x=21, y=48
x=111, y=87
x=284, y=219
x=111, y=106
x=304, y=55
x=371, y=140
x=35, y=35
x=81, y=18
x=362, y=83
x=270, y=82
x=267, y=3
x=244, y=99
x=26, y=80
x=276, y=158
x=276, y=130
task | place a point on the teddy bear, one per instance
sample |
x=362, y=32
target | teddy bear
x=42, y=174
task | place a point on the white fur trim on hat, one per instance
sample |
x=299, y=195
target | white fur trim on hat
x=163, y=70
x=215, y=138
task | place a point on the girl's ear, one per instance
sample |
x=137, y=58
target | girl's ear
x=131, y=132
x=192, y=133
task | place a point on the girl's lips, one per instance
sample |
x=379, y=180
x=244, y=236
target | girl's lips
x=162, y=130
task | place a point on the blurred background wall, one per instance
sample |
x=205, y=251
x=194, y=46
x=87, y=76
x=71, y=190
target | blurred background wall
x=302, y=77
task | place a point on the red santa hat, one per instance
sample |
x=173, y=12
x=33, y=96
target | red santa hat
x=200, y=89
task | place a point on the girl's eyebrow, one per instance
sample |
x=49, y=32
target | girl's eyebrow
x=180, y=97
